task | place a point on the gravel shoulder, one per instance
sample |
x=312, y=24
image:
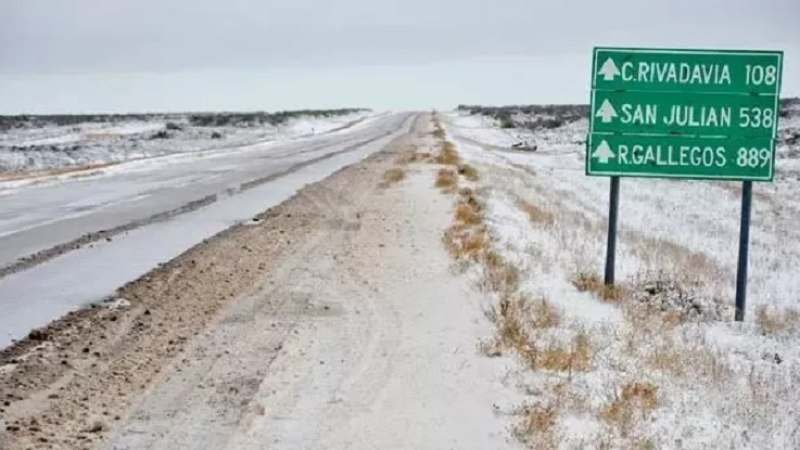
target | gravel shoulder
x=333, y=321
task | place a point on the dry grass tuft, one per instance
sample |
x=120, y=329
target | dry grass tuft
x=511, y=333
x=468, y=172
x=591, y=282
x=774, y=321
x=576, y=357
x=468, y=215
x=392, y=177
x=544, y=314
x=539, y=418
x=516, y=317
x=467, y=239
x=469, y=210
x=499, y=275
x=468, y=198
x=587, y=281
x=632, y=406
x=447, y=180
x=452, y=238
x=668, y=360
x=538, y=428
x=474, y=245
x=466, y=243
x=699, y=362
x=672, y=319
x=568, y=397
x=536, y=214
x=650, y=338
x=447, y=155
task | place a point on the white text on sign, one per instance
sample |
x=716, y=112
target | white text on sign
x=686, y=73
x=688, y=115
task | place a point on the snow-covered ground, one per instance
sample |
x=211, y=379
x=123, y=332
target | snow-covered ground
x=96, y=143
x=484, y=130
x=718, y=383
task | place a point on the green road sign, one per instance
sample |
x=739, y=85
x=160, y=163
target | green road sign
x=751, y=72
x=684, y=113
x=680, y=157
x=702, y=114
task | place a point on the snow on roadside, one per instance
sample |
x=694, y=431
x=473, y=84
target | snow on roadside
x=717, y=384
x=52, y=147
x=483, y=130
x=63, y=134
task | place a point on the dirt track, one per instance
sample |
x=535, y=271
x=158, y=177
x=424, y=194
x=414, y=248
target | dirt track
x=332, y=317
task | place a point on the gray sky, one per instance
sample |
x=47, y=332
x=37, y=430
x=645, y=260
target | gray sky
x=116, y=55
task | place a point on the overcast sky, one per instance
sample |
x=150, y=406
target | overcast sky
x=174, y=55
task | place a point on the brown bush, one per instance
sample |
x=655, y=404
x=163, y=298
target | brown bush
x=468, y=215
x=393, y=176
x=538, y=427
x=635, y=402
x=577, y=357
x=447, y=155
x=447, y=180
x=544, y=314
x=591, y=282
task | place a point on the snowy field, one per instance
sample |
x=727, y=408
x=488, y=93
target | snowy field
x=669, y=368
x=42, y=144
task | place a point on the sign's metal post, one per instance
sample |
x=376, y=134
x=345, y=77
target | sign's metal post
x=744, y=241
x=613, y=213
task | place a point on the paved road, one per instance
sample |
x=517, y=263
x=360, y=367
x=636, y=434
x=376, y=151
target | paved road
x=155, y=210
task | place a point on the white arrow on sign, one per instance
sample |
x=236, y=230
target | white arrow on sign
x=603, y=152
x=606, y=112
x=609, y=70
